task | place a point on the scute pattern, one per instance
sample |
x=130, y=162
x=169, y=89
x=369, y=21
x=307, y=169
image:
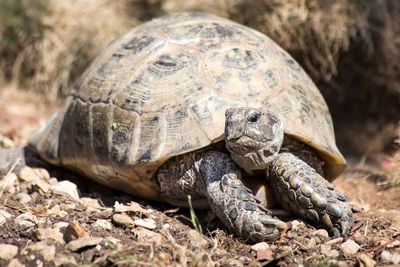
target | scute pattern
x=162, y=89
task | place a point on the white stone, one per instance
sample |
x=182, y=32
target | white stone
x=146, y=223
x=132, y=207
x=2, y=220
x=90, y=202
x=113, y=240
x=29, y=174
x=350, y=247
x=26, y=219
x=67, y=187
x=83, y=242
x=26, y=174
x=15, y=263
x=389, y=257
x=296, y=225
x=42, y=173
x=65, y=260
x=53, y=181
x=50, y=233
x=6, y=142
x=7, y=183
x=328, y=251
x=261, y=245
x=24, y=198
x=7, y=251
x=335, y=241
x=48, y=252
x=5, y=214
x=61, y=226
x=123, y=220
x=57, y=212
x=102, y=224
x=365, y=260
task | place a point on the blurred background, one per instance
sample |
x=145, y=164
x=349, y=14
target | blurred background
x=350, y=48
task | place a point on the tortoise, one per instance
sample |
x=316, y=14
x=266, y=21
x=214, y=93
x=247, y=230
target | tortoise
x=194, y=104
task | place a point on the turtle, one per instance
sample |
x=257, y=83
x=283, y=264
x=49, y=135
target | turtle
x=195, y=104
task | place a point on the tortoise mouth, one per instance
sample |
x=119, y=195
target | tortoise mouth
x=243, y=145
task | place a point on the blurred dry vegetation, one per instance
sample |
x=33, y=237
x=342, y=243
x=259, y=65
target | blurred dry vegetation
x=351, y=48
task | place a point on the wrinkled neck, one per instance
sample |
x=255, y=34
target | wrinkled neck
x=255, y=160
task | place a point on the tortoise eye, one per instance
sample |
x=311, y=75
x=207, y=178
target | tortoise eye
x=254, y=117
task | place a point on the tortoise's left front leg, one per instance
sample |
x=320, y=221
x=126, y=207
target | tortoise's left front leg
x=299, y=188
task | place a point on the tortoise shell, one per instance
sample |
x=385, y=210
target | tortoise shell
x=162, y=89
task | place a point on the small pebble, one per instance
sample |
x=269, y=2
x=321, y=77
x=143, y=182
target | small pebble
x=24, y=197
x=102, y=224
x=42, y=173
x=43, y=185
x=365, y=260
x=53, y=181
x=146, y=223
x=311, y=243
x=57, y=212
x=123, y=220
x=148, y=236
x=65, y=260
x=7, y=183
x=350, y=247
x=15, y=263
x=322, y=233
x=7, y=252
x=390, y=258
x=261, y=245
x=60, y=226
x=6, y=142
x=75, y=231
x=335, y=241
x=112, y=240
x=50, y=233
x=132, y=206
x=83, y=242
x=48, y=252
x=328, y=251
x=163, y=257
x=26, y=174
x=26, y=220
x=36, y=176
x=68, y=188
x=5, y=214
x=297, y=225
x=90, y=202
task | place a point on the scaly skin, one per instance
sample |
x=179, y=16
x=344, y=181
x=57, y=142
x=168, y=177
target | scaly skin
x=214, y=176
x=300, y=189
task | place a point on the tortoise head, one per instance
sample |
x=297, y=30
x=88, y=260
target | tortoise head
x=253, y=136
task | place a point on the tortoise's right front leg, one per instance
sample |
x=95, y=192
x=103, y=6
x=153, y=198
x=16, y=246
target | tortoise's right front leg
x=215, y=176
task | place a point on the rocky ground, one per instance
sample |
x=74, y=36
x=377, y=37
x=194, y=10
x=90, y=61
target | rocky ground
x=54, y=217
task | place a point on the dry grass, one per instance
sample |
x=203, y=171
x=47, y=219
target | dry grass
x=48, y=48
